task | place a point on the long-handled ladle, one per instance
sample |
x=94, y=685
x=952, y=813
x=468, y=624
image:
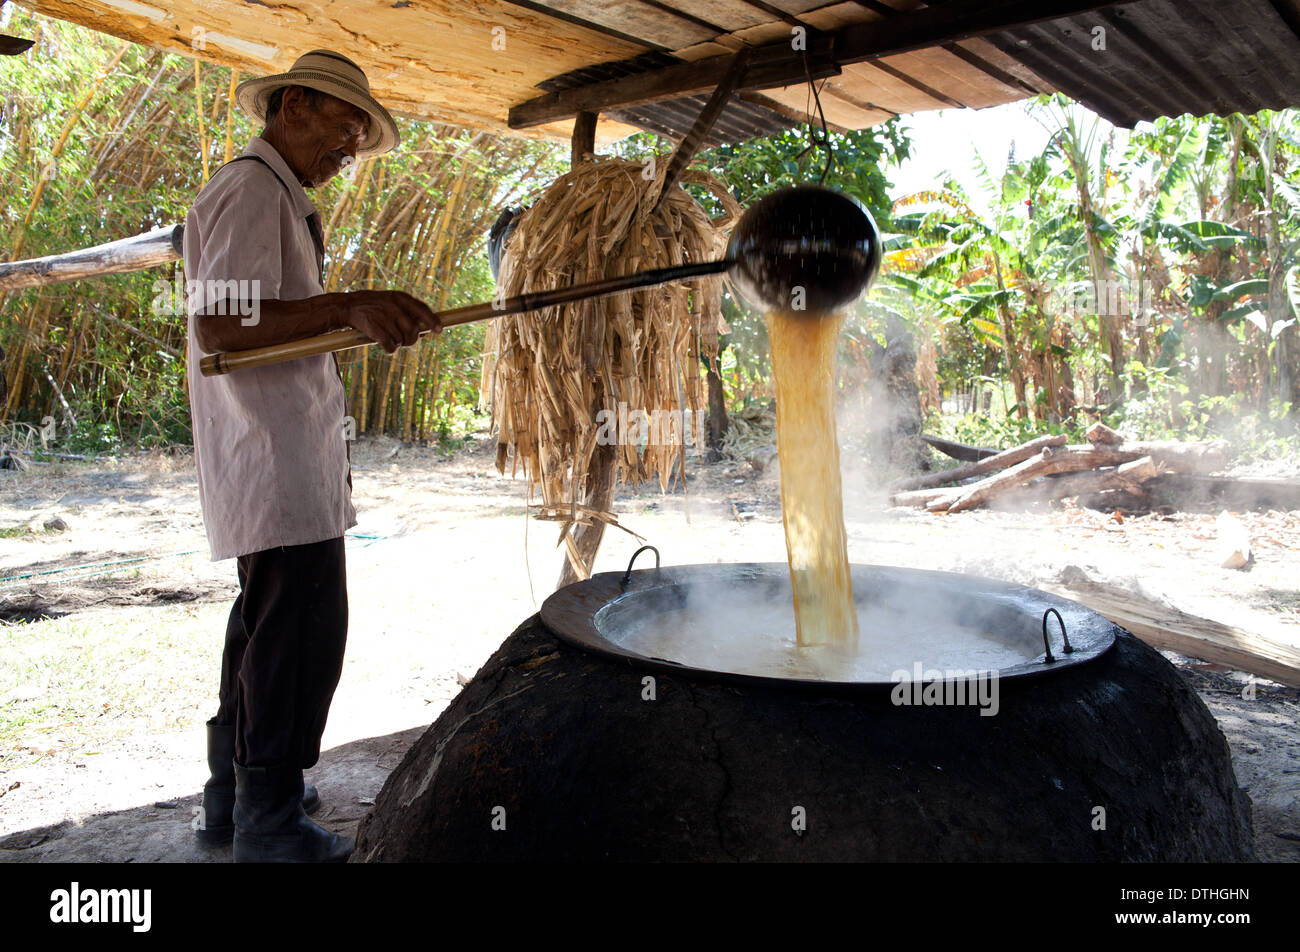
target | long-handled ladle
x=804, y=248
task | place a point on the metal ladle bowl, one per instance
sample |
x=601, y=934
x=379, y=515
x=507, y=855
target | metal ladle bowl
x=804, y=248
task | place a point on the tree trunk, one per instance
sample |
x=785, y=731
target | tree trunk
x=585, y=539
x=717, y=409
x=895, y=415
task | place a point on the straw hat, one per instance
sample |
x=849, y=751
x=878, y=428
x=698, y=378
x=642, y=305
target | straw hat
x=331, y=73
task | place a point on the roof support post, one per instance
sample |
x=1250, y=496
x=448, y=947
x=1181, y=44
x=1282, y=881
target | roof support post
x=584, y=137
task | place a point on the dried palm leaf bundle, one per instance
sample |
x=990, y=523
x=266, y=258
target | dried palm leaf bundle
x=565, y=380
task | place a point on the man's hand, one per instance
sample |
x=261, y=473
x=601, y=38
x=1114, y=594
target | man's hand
x=391, y=319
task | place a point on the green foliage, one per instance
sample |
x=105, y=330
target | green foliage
x=92, y=438
x=760, y=166
x=1001, y=431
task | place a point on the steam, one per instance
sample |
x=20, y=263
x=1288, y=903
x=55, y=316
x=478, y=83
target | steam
x=914, y=628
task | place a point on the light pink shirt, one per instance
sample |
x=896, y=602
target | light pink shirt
x=268, y=441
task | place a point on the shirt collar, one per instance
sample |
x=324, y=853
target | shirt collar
x=264, y=150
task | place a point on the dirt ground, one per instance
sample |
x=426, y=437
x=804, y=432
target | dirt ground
x=114, y=622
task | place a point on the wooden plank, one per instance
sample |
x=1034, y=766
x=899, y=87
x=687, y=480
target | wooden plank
x=839, y=15
x=650, y=23
x=129, y=254
x=796, y=115
x=921, y=86
x=958, y=78
x=607, y=130
x=873, y=111
x=887, y=89
x=767, y=33
x=996, y=72
x=730, y=15
x=796, y=7
x=777, y=64
x=438, y=60
x=1163, y=627
x=842, y=111
x=986, y=52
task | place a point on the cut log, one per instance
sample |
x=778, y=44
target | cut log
x=1179, y=457
x=1142, y=462
x=1163, y=627
x=1100, y=433
x=920, y=498
x=1065, y=459
x=1126, y=485
x=941, y=502
x=1139, y=470
x=1188, y=491
x=129, y=254
x=985, y=465
x=959, y=451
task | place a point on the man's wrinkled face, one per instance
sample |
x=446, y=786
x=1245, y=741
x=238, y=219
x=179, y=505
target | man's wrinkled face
x=323, y=139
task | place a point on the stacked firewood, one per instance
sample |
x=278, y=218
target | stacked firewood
x=1108, y=471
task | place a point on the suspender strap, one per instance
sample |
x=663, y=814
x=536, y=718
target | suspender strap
x=313, y=221
x=313, y=226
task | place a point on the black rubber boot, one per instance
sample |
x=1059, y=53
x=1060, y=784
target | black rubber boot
x=215, y=825
x=270, y=825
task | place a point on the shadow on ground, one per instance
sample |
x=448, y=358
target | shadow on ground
x=348, y=777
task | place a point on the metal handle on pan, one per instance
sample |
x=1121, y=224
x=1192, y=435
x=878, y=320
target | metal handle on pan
x=1047, y=649
x=627, y=576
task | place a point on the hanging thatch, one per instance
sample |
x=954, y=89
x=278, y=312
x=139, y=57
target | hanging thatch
x=557, y=369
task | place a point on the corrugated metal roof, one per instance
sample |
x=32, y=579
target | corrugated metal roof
x=1168, y=57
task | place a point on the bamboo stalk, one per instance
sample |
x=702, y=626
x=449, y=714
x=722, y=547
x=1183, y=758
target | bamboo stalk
x=203, y=136
x=230, y=117
x=57, y=150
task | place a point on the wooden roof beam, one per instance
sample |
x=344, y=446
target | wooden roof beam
x=777, y=64
x=13, y=45
x=773, y=65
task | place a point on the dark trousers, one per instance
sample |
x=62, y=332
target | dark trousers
x=284, y=652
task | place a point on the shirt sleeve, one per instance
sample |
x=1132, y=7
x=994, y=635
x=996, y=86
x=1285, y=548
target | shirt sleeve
x=240, y=236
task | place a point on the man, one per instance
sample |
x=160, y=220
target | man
x=273, y=465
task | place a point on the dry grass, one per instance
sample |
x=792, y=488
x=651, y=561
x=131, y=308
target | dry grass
x=555, y=370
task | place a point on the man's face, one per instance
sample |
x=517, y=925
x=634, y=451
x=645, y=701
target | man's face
x=319, y=140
